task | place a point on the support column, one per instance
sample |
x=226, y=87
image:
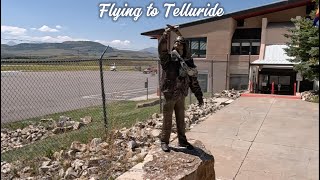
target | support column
x=263, y=37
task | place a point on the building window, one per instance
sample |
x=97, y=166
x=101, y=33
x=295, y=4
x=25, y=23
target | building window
x=245, y=41
x=203, y=81
x=239, y=81
x=240, y=22
x=235, y=48
x=198, y=47
x=244, y=47
x=255, y=48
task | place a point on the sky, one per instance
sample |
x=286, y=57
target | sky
x=74, y=20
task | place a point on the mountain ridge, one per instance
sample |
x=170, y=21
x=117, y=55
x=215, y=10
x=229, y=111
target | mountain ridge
x=83, y=49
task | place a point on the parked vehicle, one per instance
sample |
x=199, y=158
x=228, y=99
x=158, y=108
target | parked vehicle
x=113, y=67
x=150, y=70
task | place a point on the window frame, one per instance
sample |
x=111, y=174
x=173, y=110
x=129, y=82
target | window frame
x=239, y=86
x=251, y=41
x=198, y=40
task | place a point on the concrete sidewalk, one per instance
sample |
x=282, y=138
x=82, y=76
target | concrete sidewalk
x=263, y=138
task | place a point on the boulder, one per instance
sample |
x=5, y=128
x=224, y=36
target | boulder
x=179, y=163
x=77, y=146
x=86, y=119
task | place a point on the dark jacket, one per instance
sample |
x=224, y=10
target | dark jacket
x=174, y=86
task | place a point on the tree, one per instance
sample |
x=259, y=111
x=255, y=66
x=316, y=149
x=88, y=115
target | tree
x=303, y=46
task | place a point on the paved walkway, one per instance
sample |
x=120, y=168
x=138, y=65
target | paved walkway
x=263, y=138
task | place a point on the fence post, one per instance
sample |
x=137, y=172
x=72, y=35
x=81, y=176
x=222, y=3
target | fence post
x=294, y=88
x=147, y=86
x=272, y=88
x=159, y=83
x=102, y=90
x=212, y=78
x=227, y=72
x=190, y=101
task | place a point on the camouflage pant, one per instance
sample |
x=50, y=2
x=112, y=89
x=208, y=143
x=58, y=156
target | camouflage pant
x=178, y=106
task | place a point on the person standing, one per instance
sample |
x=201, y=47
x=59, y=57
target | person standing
x=175, y=82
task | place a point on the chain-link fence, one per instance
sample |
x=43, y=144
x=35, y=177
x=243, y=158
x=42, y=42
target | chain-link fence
x=46, y=105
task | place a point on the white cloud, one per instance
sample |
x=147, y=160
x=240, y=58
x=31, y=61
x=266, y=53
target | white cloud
x=115, y=43
x=11, y=30
x=58, y=26
x=33, y=29
x=47, y=39
x=45, y=28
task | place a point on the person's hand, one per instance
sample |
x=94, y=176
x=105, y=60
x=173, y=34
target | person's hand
x=200, y=102
x=167, y=31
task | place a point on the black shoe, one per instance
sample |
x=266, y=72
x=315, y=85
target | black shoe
x=187, y=145
x=165, y=147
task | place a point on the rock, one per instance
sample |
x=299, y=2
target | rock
x=309, y=95
x=71, y=153
x=46, y=163
x=93, y=170
x=158, y=125
x=103, y=145
x=70, y=173
x=180, y=163
x=5, y=167
x=45, y=167
x=93, y=161
x=94, y=144
x=132, y=144
x=134, y=159
x=142, y=155
x=77, y=164
x=26, y=169
x=155, y=116
x=61, y=172
x=53, y=122
x=77, y=146
x=227, y=102
x=58, y=155
x=62, y=121
x=57, y=130
x=86, y=119
x=79, y=155
x=129, y=155
x=155, y=132
x=77, y=125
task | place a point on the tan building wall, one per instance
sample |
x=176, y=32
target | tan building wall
x=218, y=33
x=281, y=16
x=275, y=35
x=219, y=37
x=239, y=64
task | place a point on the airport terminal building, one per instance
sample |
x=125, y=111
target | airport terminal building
x=244, y=49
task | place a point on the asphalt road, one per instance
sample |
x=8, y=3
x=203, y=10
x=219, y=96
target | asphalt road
x=33, y=94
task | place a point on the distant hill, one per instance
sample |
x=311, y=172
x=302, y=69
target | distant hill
x=67, y=49
x=151, y=50
x=11, y=43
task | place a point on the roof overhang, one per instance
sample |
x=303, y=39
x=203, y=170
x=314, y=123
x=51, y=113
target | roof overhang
x=256, y=11
x=276, y=67
x=264, y=62
x=275, y=55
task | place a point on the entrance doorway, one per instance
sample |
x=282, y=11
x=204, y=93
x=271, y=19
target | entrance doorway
x=283, y=80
